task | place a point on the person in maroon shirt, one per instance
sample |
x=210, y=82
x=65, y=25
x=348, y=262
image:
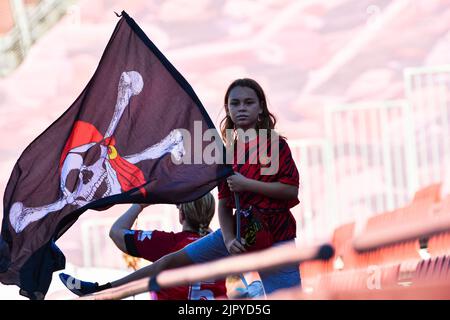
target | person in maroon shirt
x=151, y=245
x=264, y=220
x=267, y=182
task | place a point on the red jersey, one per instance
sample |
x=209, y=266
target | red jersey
x=152, y=245
x=275, y=213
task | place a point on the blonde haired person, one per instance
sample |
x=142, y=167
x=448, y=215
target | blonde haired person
x=151, y=245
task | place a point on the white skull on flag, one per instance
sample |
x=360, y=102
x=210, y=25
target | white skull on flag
x=110, y=173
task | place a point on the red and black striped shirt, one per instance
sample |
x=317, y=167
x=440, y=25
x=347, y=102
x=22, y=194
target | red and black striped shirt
x=282, y=169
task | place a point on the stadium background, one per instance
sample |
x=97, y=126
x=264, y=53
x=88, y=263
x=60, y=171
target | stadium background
x=360, y=88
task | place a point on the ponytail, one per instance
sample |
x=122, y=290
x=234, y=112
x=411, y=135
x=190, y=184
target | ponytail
x=199, y=213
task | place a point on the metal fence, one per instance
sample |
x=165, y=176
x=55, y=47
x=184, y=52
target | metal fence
x=427, y=90
x=31, y=20
x=375, y=155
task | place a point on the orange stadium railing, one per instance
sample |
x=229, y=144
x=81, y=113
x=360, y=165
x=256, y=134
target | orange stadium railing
x=396, y=255
x=257, y=261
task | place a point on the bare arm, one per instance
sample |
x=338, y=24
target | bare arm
x=173, y=260
x=125, y=222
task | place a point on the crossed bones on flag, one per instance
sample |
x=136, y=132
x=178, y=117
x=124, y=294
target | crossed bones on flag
x=111, y=174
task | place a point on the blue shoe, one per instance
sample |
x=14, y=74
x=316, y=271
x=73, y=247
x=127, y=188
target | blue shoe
x=80, y=288
x=254, y=290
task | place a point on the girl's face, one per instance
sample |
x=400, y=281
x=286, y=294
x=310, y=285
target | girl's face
x=244, y=107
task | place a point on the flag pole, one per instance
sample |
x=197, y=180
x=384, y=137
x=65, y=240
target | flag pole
x=238, y=216
x=238, y=231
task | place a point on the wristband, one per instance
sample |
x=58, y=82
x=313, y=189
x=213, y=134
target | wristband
x=153, y=285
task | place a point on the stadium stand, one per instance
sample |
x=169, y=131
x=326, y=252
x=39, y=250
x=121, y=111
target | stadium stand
x=401, y=254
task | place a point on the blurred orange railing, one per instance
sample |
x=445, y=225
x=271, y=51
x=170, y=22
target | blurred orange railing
x=233, y=265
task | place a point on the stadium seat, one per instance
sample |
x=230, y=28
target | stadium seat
x=342, y=243
x=391, y=264
x=435, y=269
x=440, y=244
x=430, y=193
x=371, y=278
x=313, y=268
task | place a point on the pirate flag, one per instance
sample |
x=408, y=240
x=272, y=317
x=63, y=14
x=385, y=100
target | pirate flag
x=137, y=134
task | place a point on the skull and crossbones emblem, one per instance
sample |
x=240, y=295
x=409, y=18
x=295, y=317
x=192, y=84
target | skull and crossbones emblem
x=91, y=167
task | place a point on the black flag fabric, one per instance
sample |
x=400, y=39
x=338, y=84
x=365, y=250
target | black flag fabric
x=137, y=133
